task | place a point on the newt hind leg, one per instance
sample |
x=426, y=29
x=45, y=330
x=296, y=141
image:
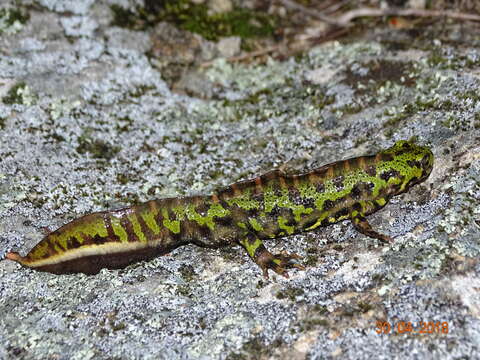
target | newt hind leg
x=362, y=225
x=279, y=263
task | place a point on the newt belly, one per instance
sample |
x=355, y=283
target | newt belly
x=269, y=206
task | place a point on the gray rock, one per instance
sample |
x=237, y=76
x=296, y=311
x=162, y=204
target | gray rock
x=229, y=46
x=88, y=123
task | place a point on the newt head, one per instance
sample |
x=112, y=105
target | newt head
x=413, y=163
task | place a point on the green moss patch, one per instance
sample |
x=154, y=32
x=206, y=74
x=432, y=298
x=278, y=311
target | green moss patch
x=97, y=148
x=11, y=20
x=14, y=95
x=197, y=18
x=379, y=73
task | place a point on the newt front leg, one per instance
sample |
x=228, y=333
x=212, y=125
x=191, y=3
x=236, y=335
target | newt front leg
x=266, y=260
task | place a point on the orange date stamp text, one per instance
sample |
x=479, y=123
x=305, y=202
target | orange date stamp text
x=408, y=327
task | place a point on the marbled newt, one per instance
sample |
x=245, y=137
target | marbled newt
x=272, y=205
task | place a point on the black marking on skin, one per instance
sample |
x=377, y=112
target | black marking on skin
x=376, y=206
x=276, y=211
x=309, y=222
x=252, y=213
x=63, y=247
x=108, y=224
x=226, y=221
x=291, y=222
x=340, y=213
x=371, y=170
x=357, y=206
x=414, y=163
x=87, y=239
x=188, y=229
x=412, y=182
x=224, y=193
x=406, y=145
x=402, y=152
x=128, y=227
x=296, y=198
x=287, y=214
x=369, y=187
x=294, y=195
x=325, y=222
x=320, y=187
x=144, y=227
x=251, y=239
x=99, y=240
x=159, y=217
x=237, y=214
x=256, y=197
x=307, y=203
x=202, y=209
x=73, y=243
x=203, y=231
x=356, y=192
x=328, y=204
x=223, y=204
x=361, y=188
x=360, y=219
x=182, y=236
x=386, y=175
x=277, y=190
x=338, y=182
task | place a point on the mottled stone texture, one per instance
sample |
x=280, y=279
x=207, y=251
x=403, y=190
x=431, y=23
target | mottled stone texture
x=90, y=120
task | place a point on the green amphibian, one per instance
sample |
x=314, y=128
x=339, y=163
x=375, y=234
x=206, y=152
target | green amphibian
x=272, y=205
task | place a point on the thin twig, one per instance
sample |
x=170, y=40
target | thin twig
x=248, y=55
x=344, y=22
x=326, y=6
x=316, y=39
x=309, y=11
x=335, y=6
x=346, y=18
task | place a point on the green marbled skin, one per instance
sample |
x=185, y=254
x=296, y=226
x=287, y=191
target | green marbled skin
x=272, y=205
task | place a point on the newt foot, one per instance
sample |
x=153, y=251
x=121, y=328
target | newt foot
x=279, y=263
